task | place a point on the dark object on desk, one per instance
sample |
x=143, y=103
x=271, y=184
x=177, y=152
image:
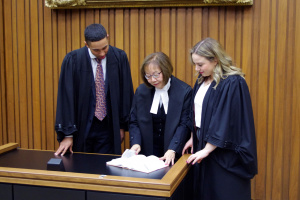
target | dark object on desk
x=55, y=164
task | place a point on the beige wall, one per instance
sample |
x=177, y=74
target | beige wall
x=263, y=39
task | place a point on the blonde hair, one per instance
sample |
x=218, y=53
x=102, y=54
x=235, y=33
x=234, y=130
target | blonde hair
x=212, y=50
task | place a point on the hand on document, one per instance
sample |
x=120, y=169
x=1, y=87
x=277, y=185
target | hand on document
x=141, y=163
x=169, y=157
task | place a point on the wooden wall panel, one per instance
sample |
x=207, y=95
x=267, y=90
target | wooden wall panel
x=262, y=96
x=263, y=40
x=8, y=76
x=288, y=88
x=28, y=75
x=189, y=70
x=35, y=136
x=134, y=47
x=294, y=189
x=270, y=123
x=3, y=112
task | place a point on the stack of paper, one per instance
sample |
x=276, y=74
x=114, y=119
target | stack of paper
x=141, y=163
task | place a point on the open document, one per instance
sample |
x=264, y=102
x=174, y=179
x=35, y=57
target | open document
x=141, y=163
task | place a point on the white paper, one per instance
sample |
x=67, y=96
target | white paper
x=141, y=163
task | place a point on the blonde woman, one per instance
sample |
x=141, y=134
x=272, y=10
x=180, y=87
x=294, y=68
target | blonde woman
x=223, y=140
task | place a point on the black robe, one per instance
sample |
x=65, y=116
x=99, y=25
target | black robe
x=76, y=98
x=226, y=122
x=177, y=129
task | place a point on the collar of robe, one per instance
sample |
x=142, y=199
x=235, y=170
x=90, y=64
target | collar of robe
x=161, y=97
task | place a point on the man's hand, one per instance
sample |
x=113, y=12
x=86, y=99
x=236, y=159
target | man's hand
x=64, y=146
x=122, y=133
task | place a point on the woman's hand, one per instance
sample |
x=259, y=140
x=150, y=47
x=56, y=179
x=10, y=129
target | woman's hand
x=136, y=148
x=169, y=157
x=199, y=155
x=188, y=144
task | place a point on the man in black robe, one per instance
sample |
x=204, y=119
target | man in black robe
x=77, y=127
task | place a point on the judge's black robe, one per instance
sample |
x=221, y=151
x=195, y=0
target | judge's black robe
x=177, y=127
x=76, y=98
x=226, y=122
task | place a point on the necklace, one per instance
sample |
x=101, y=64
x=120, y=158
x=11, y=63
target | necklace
x=207, y=81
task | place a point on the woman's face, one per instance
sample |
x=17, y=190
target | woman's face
x=154, y=76
x=204, y=66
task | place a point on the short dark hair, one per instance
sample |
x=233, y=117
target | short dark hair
x=161, y=60
x=94, y=32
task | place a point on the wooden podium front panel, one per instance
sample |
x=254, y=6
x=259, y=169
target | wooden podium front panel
x=110, y=196
x=6, y=191
x=25, y=192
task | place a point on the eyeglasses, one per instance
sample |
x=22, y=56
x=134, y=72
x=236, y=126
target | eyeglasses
x=155, y=75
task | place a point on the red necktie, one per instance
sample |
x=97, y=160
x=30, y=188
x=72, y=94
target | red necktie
x=100, y=111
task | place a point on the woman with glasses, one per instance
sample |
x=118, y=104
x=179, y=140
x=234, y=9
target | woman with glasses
x=159, y=115
x=223, y=141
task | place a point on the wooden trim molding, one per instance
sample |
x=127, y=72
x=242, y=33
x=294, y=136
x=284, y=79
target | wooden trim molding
x=75, y=4
x=8, y=147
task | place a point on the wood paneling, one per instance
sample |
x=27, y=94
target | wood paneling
x=263, y=40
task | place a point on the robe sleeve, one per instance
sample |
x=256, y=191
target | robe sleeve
x=134, y=129
x=126, y=90
x=184, y=128
x=232, y=129
x=65, y=113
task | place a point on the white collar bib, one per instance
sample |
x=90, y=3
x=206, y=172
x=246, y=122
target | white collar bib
x=161, y=95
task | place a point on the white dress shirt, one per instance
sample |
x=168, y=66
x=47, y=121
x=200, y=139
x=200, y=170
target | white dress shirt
x=198, y=102
x=94, y=64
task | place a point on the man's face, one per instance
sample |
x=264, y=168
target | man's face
x=98, y=48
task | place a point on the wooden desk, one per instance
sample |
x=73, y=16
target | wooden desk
x=27, y=177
